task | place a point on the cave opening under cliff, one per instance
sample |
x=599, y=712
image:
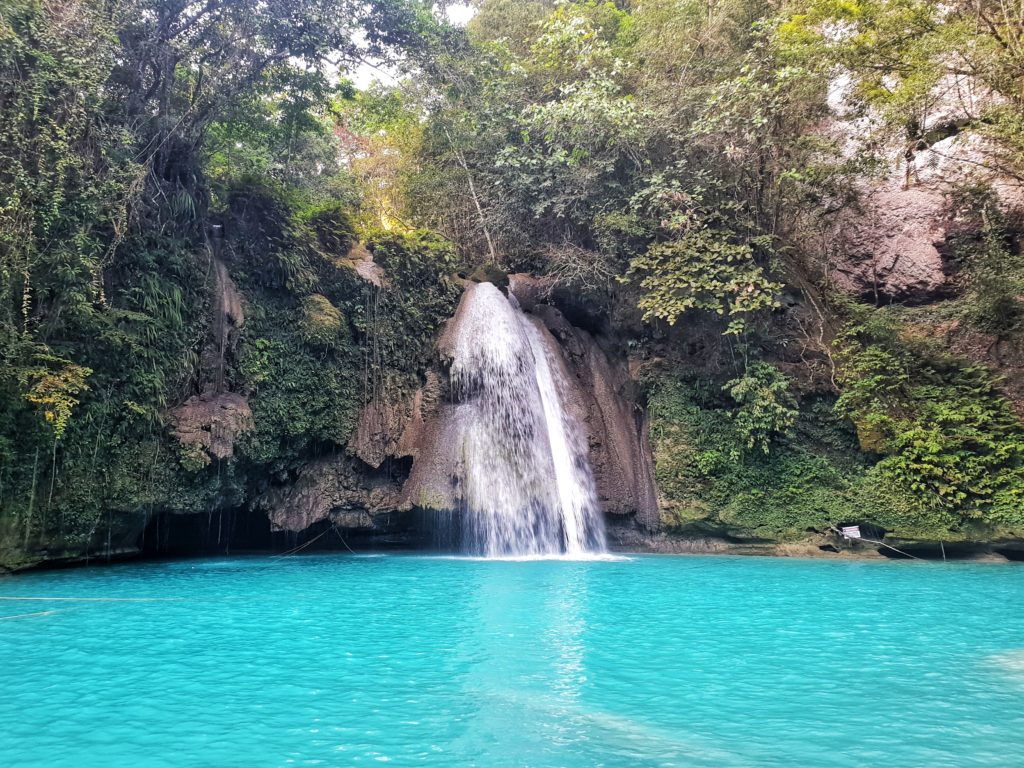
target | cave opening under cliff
x=246, y=531
x=220, y=532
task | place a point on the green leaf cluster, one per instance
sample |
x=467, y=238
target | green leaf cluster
x=946, y=435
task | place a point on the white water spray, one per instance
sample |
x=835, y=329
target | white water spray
x=525, y=479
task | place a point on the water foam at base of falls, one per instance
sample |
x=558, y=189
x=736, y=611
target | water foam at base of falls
x=525, y=483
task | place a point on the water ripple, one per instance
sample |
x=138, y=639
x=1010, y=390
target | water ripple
x=645, y=661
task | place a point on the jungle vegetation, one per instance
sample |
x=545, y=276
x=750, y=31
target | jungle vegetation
x=661, y=160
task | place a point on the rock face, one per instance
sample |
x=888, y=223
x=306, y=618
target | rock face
x=227, y=320
x=362, y=262
x=599, y=393
x=396, y=429
x=402, y=463
x=211, y=422
x=889, y=247
x=331, y=489
x=616, y=425
x=891, y=243
x=1003, y=355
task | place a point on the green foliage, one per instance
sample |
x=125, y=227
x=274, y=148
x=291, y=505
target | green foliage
x=403, y=320
x=766, y=406
x=902, y=55
x=332, y=224
x=283, y=138
x=321, y=321
x=302, y=392
x=52, y=384
x=948, y=437
x=320, y=340
x=659, y=141
x=939, y=441
x=121, y=124
x=711, y=482
x=702, y=270
x=67, y=180
x=994, y=272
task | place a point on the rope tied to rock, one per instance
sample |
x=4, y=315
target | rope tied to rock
x=880, y=543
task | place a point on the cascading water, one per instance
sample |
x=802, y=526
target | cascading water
x=525, y=482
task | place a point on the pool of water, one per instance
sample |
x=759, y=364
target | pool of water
x=646, y=661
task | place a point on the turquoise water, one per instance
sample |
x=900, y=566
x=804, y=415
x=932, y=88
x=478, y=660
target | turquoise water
x=650, y=661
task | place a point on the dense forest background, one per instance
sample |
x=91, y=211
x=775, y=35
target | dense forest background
x=191, y=192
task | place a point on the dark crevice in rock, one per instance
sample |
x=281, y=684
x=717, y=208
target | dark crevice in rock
x=220, y=532
x=240, y=531
x=1014, y=553
x=934, y=550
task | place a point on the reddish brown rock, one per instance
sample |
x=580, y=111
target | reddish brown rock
x=211, y=422
x=889, y=246
x=600, y=396
x=226, y=322
x=616, y=425
x=332, y=488
x=891, y=242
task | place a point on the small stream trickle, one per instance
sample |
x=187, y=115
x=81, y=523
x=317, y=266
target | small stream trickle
x=526, y=482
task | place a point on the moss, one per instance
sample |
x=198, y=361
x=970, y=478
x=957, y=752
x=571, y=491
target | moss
x=303, y=391
x=321, y=322
x=405, y=317
x=193, y=458
x=935, y=451
x=710, y=480
x=948, y=440
x=331, y=225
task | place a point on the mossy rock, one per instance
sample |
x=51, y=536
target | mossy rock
x=709, y=480
x=321, y=322
x=332, y=225
x=490, y=273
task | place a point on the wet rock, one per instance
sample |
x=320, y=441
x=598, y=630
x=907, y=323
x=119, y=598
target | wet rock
x=490, y=273
x=331, y=489
x=600, y=395
x=227, y=321
x=529, y=290
x=616, y=424
x=361, y=260
x=211, y=422
x=394, y=427
x=380, y=428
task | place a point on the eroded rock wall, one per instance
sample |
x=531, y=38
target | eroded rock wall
x=424, y=428
x=890, y=239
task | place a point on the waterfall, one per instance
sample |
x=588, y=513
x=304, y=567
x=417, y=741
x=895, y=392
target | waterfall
x=525, y=483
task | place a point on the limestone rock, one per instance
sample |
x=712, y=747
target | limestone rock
x=331, y=488
x=361, y=260
x=227, y=321
x=890, y=243
x=600, y=395
x=393, y=428
x=211, y=422
x=889, y=248
x=380, y=427
x=615, y=423
x=529, y=290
